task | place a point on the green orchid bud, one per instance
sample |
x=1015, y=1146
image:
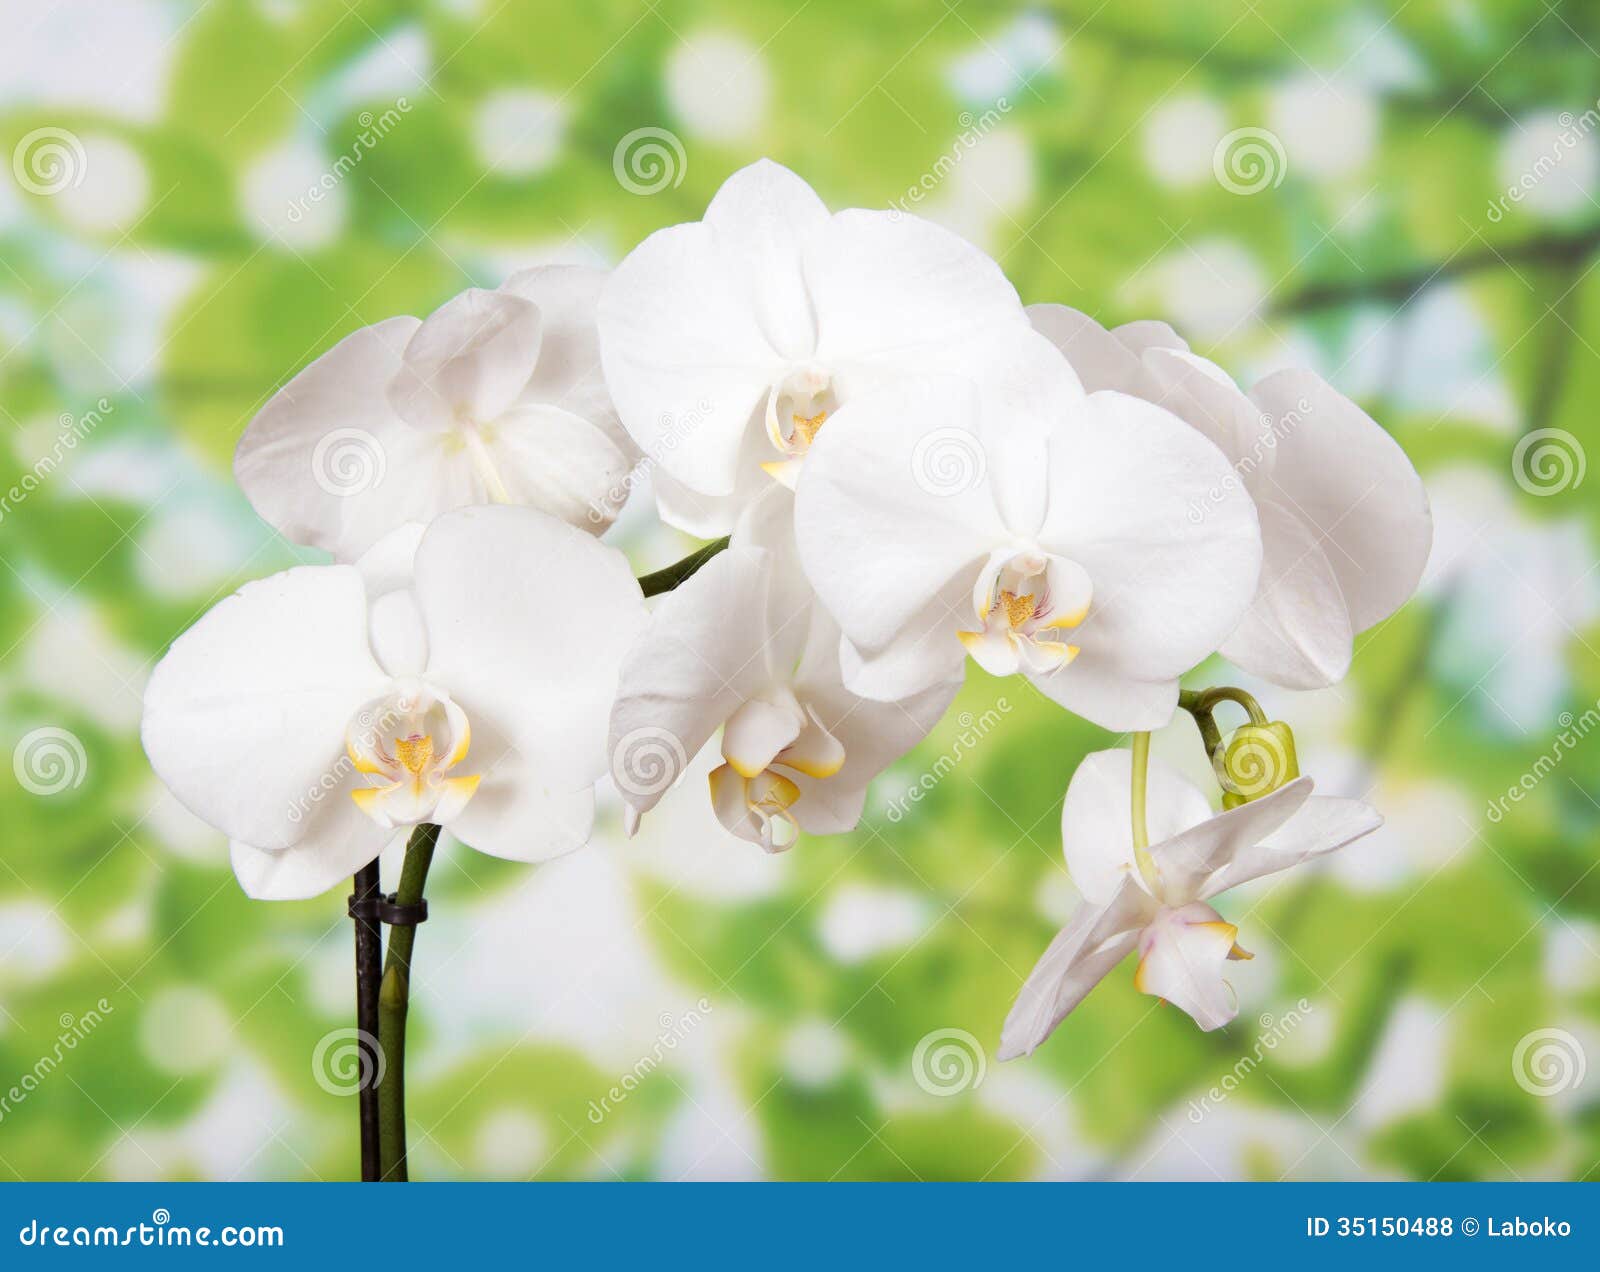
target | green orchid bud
x=1255, y=760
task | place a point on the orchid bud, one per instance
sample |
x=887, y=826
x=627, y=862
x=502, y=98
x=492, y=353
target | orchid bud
x=1255, y=760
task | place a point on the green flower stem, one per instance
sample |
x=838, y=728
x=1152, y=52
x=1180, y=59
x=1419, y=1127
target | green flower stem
x=393, y=1000
x=1204, y=701
x=1141, y=830
x=680, y=571
x=1210, y=735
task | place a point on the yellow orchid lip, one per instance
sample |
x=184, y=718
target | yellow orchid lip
x=811, y=768
x=797, y=408
x=1015, y=597
x=754, y=800
x=784, y=471
x=397, y=740
x=1071, y=619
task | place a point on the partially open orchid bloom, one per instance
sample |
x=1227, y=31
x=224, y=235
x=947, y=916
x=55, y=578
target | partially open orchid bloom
x=497, y=397
x=742, y=647
x=460, y=675
x=1182, y=942
x=1345, y=526
x=730, y=342
x=1036, y=529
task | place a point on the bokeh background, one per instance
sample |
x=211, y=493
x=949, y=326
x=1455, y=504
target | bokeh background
x=222, y=190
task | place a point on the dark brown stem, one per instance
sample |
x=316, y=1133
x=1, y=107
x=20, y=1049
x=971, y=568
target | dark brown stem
x=369, y=971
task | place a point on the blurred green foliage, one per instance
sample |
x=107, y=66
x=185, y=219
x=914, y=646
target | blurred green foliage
x=173, y=281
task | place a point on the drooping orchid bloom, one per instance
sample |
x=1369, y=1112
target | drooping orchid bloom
x=1194, y=855
x=743, y=647
x=730, y=342
x=1038, y=530
x=1345, y=525
x=460, y=675
x=497, y=397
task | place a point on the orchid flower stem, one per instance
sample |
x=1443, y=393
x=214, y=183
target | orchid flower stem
x=1141, y=831
x=369, y=971
x=664, y=580
x=393, y=1001
x=1199, y=702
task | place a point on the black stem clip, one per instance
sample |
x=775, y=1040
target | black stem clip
x=384, y=908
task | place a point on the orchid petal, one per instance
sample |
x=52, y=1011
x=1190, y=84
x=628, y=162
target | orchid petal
x=1297, y=631
x=1095, y=940
x=890, y=290
x=560, y=463
x=467, y=362
x=339, y=841
x=397, y=633
x=1097, y=818
x=528, y=622
x=1322, y=825
x=1096, y=687
x=245, y=716
x=927, y=652
x=1103, y=359
x=883, y=522
x=701, y=515
x=1203, y=395
x=514, y=812
x=1353, y=485
x=386, y=565
x=700, y=320
x=701, y=656
x=870, y=735
x=568, y=374
x=329, y=463
x=1174, y=567
x=1199, y=862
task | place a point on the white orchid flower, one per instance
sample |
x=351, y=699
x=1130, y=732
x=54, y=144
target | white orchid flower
x=730, y=342
x=497, y=397
x=1195, y=854
x=742, y=647
x=460, y=675
x=1345, y=525
x=1046, y=532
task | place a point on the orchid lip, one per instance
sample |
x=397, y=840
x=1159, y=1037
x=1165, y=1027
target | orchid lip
x=771, y=737
x=411, y=741
x=798, y=405
x=1022, y=598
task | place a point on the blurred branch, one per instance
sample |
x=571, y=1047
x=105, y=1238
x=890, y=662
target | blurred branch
x=1549, y=249
x=1555, y=356
x=1101, y=25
